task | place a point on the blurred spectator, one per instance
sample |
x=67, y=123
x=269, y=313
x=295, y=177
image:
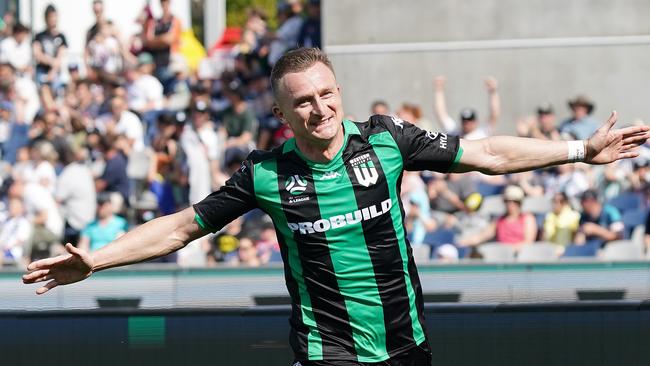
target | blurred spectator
x=416, y=207
x=15, y=233
x=75, y=193
x=163, y=170
x=145, y=92
x=17, y=49
x=248, y=253
x=49, y=49
x=239, y=121
x=286, y=37
x=41, y=170
x=310, y=31
x=178, y=97
x=123, y=122
x=43, y=213
x=105, y=228
x=469, y=127
x=201, y=145
x=103, y=54
x=514, y=228
x=113, y=179
x=447, y=196
x=568, y=178
x=542, y=126
x=581, y=125
x=413, y=113
x=379, y=107
x=267, y=244
x=599, y=222
x=100, y=19
x=162, y=39
x=561, y=224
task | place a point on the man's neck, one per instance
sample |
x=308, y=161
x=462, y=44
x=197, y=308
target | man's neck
x=321, y=153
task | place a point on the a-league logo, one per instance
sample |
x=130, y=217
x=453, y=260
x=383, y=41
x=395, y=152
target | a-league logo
x=296, y=184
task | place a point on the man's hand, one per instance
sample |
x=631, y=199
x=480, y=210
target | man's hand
x=72, y=267
x=439, y=83
x=607, y=145
x=491, y=84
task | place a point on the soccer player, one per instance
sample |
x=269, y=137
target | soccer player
x=333, y=194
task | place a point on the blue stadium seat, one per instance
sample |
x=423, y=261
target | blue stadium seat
x=581, y=251
x=276, y=257
x=486, y=189
x=439, y=237
x=632, y=219
x=626, y=201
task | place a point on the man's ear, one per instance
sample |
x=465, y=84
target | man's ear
x=278, y=113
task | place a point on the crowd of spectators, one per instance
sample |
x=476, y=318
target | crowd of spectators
x=91, y=149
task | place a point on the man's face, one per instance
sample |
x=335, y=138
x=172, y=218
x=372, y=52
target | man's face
x=591, y=207
x=547, y=121
x=310, y=102
x=51, y=20
x=579, y=111
x=468, y=125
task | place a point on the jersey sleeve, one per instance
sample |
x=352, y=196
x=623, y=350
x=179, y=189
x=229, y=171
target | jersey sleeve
x=420, y=149
x=232, y=200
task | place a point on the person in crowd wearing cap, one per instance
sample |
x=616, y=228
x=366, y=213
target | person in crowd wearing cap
x=542, y=126
x=106, y=227
x=162, y=38
x=201, y=144
x=333, y=196
x=514, y=228
x=581, y=124
x=49, y=47
x=599, y=223
x=561, y=224
x=144, y=91
x=469, y=127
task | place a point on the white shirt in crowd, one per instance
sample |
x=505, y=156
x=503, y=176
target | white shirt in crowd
x=38, y=199
x=129, y=125
x=145, y=94
x=15, y=234
x=75, y=191
x=19, y=55
x=42, y=173
x=200, y=147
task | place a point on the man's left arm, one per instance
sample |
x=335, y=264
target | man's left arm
x=509, y=154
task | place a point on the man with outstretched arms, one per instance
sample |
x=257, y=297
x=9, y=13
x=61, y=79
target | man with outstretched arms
x=333, y=194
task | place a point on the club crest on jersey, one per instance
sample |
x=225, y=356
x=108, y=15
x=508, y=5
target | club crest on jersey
x=295, y=185
x=364, y=169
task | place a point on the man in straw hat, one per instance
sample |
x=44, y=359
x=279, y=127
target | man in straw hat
x=581, y=124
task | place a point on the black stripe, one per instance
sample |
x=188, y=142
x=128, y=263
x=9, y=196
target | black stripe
x=299, y=331
x=383, y=247
x=327, y=301
x=413, y=271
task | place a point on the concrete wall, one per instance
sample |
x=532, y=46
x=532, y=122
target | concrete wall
x=540, y=50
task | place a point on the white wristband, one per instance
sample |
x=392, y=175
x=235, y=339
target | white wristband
x=576, y=150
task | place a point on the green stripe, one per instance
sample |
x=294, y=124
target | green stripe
x=391, y=161
x=146, y=331
x=201, y=223
x=353, y=267
x=265, y=176
x=459, y=154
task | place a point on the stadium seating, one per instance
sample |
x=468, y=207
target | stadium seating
x=496, y=252
x=538, y=252
x=621, y=250
x=492, y=206
x=421, y=253
x=631, y=219
x=626, y=201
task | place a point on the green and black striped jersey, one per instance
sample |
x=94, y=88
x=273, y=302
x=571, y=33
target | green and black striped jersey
x=349, y=269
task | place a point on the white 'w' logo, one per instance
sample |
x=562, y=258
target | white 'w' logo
x=366, y=174
x=296, y=184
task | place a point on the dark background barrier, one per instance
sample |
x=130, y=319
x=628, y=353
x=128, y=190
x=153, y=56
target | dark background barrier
x=585, y=333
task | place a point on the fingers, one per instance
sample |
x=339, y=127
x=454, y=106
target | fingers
x=633, y=130
x=34, y=276
x=611, y=121
x=48, y=286
x=48, y=262
x=628, y=155
x=635, y=140
x=73, y=250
